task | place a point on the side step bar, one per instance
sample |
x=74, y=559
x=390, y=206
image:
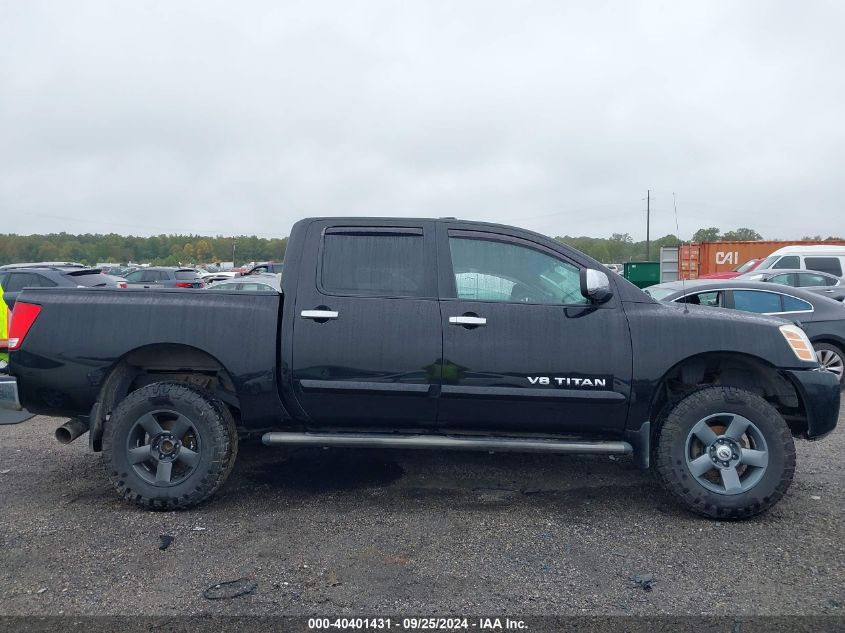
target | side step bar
x=446, y=442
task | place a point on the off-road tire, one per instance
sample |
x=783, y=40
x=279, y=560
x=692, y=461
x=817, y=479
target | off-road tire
x=211, y=419
x=673, y=470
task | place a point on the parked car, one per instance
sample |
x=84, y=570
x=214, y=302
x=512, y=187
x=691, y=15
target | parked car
x=62, y=265
x=375, y=343
x=255, y=283
x=211, y=278
x=164, y=277
x=820, y=257
x=748, y=266
x=15, y=279
x=823, y=319
x=120, y=281
x=117, y=271
x=826, y=285
x=265, y=267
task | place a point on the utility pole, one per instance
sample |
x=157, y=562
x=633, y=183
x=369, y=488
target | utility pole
x=233, y=252
x=648, y=225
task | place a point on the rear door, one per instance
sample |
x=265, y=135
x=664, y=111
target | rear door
x=366, y=336
x=522, y=349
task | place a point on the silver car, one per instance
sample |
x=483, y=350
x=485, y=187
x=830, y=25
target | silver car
x=821, y=283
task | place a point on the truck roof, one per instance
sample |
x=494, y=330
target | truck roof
x=815, y=249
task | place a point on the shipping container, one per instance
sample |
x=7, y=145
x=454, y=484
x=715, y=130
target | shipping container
x=705, y=258
x=642, y=274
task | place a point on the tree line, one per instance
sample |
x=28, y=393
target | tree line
x=620, y=247
x=173, y=250
x=161, y=250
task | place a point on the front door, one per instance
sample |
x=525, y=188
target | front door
x=522, y=348
x=367, y=337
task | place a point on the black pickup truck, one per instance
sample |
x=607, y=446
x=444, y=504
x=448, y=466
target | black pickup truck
x=438, y=334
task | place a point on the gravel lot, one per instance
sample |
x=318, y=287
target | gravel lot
x=376, y=532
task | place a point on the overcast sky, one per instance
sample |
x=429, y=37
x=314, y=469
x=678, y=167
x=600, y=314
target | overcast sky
x=142, y=117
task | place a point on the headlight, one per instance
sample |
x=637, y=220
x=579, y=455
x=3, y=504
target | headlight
x=798, y=341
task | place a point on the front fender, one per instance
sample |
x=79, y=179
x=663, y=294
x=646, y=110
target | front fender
x=820, y=394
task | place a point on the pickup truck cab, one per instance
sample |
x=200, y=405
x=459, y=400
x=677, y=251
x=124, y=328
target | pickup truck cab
x=422, y=333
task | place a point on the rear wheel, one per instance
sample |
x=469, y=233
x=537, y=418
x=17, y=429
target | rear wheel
x=169, y=446
x=725, y=453
x=831, y=359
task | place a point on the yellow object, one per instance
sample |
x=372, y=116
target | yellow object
x=799, y=342
x=4, y=327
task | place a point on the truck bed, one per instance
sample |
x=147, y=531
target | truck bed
x=65, y=362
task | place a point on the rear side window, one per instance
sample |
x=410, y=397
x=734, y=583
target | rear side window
x=830, y=265
x=810, y=280
x=794, y=304
x=756, y=301
x=375, y=263
x=19, y=281
x=187, y=274
x=789, y=261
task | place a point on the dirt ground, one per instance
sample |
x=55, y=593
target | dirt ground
x=372, y=532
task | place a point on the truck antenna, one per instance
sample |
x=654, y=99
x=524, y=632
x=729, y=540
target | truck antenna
x=680, y=268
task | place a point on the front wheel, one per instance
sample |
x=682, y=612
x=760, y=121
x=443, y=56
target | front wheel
x=169, y=446
x=725, y=453
x=831, y=359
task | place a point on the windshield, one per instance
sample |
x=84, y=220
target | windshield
x=91, y=278
x=655, y=292
x=768, y=262
x=746, y=266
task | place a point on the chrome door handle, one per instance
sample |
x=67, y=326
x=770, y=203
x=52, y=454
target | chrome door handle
x=319, y=314
x=467, y=320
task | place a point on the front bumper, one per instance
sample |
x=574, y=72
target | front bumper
x=9, y=393
x=819, y=392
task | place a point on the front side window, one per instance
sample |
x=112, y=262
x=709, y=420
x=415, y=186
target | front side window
x=788, y=261
x=829, y=265
x=135, y=277
x=757, y=301
x=712, y=299
x=786, y=279
x=375, y=263
x=487, y=270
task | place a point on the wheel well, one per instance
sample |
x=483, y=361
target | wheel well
x=731, y=369
x=157, y=363
x=830, y=341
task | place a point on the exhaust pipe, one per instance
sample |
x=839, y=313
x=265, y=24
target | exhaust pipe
x=71, y=430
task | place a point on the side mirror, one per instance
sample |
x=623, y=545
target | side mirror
x=595, y=285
